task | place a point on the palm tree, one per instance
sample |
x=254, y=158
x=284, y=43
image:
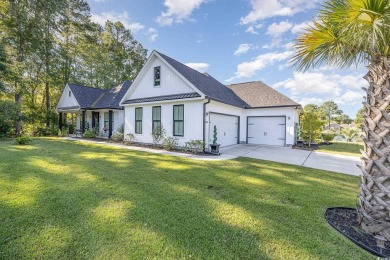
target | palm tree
x=353, y=32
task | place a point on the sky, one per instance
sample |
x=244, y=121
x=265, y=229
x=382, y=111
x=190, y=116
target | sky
x=237, y=41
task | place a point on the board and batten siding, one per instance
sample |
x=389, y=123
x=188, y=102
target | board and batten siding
x=193, y=118
x=170, y=83
x=65, y=100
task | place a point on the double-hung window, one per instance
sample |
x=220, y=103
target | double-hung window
x=178, y=120
x=106, y=120
x=156, y=120
x=138, y=120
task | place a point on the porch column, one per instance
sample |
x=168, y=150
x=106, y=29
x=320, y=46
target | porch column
x=83, y=121
x=60, y=121
x=109, y=123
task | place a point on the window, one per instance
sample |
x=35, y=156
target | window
x=156, y=120
x=138, y=120
x=105, y=120
x=70, y=93
x=157, y=76
x=178, y=120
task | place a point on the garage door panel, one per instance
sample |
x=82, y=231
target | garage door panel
x=227, y=129
x=267, y=130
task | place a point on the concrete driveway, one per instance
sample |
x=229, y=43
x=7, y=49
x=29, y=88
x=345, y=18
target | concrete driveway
x=324, y=161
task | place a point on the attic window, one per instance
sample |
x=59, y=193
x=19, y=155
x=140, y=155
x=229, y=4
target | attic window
x=70, y=93
x=157, y=76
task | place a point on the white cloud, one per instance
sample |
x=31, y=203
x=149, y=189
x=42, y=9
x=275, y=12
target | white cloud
x=350, y=98
x=262, y=9
x=243, y=48
x=152, y=34
x=309, y=100
x=277, y=29
x=251, y=29
x=178, y=10
x=298, y=28
x=199, y=66
x=123, y=17
x=249, y=69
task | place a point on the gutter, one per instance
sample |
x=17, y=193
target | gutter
x=204, y=123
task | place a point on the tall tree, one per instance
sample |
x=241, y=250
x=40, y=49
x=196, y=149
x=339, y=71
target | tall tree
x=359, y=117
x=310, y=123
x=329, y=110
x=357, y=32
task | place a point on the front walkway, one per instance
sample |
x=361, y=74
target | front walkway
x=324, y=161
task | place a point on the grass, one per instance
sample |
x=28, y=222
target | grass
x=343, y=148
x=69, y=200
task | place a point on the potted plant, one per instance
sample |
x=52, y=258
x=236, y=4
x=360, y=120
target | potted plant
x=214, y=147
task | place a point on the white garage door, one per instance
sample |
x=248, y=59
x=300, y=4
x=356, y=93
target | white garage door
x=267, y=130
x=227, y=129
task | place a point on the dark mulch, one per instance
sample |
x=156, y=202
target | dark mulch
x=344, y=220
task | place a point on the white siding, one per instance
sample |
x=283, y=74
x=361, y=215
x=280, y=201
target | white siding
x=193, y=117
x=65, y=100
x=170, y=84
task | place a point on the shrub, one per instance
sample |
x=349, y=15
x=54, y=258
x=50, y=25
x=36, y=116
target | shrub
x=45, y=131
x=117, y=137
x=90, y=133
x=22, y=140
x=8, y=116
x=121, y=129
x=327, y=137
x=158, y=136
x=130, y=138
x=196, y=145
x=169, y=143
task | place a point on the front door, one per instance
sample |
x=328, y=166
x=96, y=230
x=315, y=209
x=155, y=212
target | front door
x=95, y=119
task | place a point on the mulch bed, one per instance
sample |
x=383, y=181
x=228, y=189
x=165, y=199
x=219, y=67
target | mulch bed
x=344, y=220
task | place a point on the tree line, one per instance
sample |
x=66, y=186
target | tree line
x=44, y=44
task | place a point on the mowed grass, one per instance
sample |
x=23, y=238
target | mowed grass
x=71, y=200
x=352, y=149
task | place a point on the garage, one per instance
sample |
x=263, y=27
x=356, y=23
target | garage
x=267, y=130
x=227, y=128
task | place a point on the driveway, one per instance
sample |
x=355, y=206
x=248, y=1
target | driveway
x=324, y=161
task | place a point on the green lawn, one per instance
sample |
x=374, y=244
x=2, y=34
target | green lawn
x=342, y=148
x=72, y=200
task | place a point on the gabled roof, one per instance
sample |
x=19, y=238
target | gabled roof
x=96, y=98
x=209, y=86
x=257, y=94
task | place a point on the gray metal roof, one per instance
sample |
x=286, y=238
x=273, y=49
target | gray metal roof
x=209, y=86
x=96, y=98
x=162, y=98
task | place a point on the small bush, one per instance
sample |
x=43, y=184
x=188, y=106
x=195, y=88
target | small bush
x=158, y=135
x=130, y=138
x=117, y=137
x=195, y=145
x=169, y=143
x=22, y=140
x=121, y=129
x=327, y=137
x=89, y=134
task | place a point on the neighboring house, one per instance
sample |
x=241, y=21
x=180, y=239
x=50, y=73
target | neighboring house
x=188, y=104
x=94, y=107
x=333, y=127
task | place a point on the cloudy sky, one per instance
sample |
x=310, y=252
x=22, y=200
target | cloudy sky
x=237, y=41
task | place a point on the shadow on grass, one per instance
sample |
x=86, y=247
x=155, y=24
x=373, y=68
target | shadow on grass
x=61, y=199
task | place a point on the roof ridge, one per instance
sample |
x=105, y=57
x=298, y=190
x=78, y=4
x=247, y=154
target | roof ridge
x=246, y=82
x=69, y=83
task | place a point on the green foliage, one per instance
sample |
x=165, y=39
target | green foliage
x=215, y=135
x=196, y=145
x=23, y=140
x=327, y=136
x=350, y=134
x=117, y=137
x=329, y=110
x=92, y=133
x=8, y=116
x=45, y=131
x=359, y=118
x=121, y=129
x=169, y=143
x=311, y=124
x=158, y=135
x=343, y=119
x=130, y=138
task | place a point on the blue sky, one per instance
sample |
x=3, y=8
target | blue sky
x=237, y=41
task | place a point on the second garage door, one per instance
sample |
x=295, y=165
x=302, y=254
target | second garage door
x=227, y=129
x=267, y=130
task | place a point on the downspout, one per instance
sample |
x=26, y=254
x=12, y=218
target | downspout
x=204, y=123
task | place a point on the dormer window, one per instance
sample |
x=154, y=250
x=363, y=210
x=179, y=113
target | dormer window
x=157, y=76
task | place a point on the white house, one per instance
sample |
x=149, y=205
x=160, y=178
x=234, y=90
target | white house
x=188, y=104
x=94, y=107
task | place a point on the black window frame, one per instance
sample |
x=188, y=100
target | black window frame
x=106, y=120
x=177, y=121
x=157, y=76
x=70, y=93
x=155, y=121
x=136, y=121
